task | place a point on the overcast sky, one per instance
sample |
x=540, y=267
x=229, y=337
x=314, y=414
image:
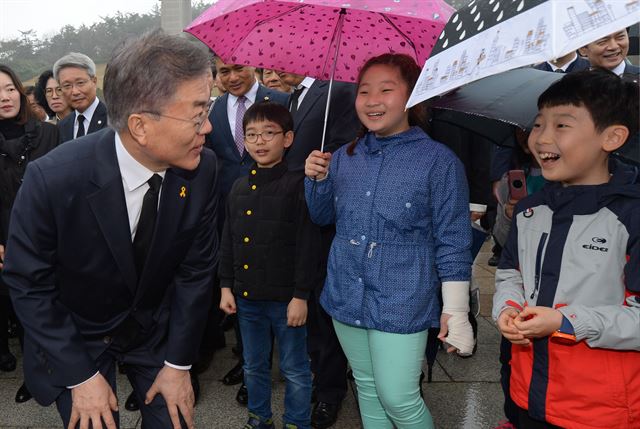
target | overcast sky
x=47, y=17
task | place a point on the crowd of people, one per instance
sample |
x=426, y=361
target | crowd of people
x=195, y=198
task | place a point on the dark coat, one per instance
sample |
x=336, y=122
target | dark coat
x=342, y=125
x=70, y=267
x=39, y=138
x=98, y=122
x=270, y=247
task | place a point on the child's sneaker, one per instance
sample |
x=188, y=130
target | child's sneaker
x=505, y=424
x=254, y=422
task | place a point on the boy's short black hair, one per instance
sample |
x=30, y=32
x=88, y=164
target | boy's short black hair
x=609, y=99
x=268, y=111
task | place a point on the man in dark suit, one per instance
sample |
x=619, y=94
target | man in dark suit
x=227, y=141
x=76, y=75
x=569, y=63
x=610, y=52
x=112, y=244
x=308, y=105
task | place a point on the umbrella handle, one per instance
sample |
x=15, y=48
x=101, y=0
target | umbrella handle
x=343, y=12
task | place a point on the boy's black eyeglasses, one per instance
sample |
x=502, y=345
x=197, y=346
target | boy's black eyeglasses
x=267, y=136
x=198, y=123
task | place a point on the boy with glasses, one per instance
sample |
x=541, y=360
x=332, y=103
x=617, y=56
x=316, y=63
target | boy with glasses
x=268, y=265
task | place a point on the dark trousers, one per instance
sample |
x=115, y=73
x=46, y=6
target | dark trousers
x=155, y=415
x=511, y=410
x=328, y=362
x=526, y=422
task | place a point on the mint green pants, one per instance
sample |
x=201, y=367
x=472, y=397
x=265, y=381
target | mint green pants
x=387, y=368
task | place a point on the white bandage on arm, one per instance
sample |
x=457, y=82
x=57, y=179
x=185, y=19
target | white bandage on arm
x=455, y=298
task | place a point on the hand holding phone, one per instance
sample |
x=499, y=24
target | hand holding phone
x=517, y=184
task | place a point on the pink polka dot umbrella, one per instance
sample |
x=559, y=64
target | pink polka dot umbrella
x=324, y=39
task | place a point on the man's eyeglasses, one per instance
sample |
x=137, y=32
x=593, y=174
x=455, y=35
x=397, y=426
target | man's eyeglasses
x=80, y=84
x=198, y=122
x=49, y=91
x=267, y=136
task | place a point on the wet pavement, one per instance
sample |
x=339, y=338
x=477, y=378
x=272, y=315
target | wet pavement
x=464, y=393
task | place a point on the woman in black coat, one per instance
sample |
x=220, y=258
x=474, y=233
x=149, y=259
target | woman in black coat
x=23, y=138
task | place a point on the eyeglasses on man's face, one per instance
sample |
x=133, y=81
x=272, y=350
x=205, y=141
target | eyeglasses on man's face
x=80, y=84
x=198, y=121
x=49, y=91
x=267, y=136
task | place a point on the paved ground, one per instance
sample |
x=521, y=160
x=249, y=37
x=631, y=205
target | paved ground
x=465, y=393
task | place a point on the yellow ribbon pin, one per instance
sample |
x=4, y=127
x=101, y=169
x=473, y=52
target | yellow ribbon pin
x=183, y=192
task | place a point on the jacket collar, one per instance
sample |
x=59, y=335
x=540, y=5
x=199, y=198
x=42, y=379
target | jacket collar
x=260, y=176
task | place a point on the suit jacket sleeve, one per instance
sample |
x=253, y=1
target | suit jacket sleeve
x=225, y=269
x=344, y=124
x=193, y=282
x=31, y=276
x=308, y=252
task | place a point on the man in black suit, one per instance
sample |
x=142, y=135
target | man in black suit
x=76, y=75
x=227, y=141
x=571, y=62
x=610, y=52
x=308, y=105
x=112, y=244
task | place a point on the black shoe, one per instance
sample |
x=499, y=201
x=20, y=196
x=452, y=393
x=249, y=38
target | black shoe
x=195, y=384
x=234, y=376
x=23, y=394
x=324, y=415
x=132, y=404
x=243, y=395
x=7, y=362
x=494, y=260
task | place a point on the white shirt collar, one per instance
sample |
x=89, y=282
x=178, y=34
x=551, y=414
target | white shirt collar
x=133, y=173
x=89, y=111
x=619, y=69
x=564, y=67
x=306, y=82
x=251, y=95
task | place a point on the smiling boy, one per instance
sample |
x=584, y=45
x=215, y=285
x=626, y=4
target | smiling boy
x=270, y=262
x=568, y=285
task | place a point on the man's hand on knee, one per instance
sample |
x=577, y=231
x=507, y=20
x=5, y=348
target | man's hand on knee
x=175, y=387
x=92, y=402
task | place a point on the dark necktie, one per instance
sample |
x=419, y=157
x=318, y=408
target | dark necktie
x=80, y=132
x=147, y=222
x=240, y=111
x=559, y=71
x=293, y=108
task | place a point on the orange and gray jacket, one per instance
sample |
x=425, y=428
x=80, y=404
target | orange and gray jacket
x=577, y=249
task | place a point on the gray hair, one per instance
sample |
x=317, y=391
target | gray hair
x=77, y=60
x=144, y=73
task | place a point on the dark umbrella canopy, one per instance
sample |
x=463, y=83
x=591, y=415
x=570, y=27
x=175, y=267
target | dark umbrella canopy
x=510, y=97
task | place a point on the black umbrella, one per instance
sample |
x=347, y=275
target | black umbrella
x=510, y=97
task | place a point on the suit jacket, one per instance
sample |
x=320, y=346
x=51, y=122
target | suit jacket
x=578, y=65
x=342, y=125
x=70, y=267
x=98, y=122
x=221, y=141
x=631, y=69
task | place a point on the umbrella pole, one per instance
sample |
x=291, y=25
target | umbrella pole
x=343, y=12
